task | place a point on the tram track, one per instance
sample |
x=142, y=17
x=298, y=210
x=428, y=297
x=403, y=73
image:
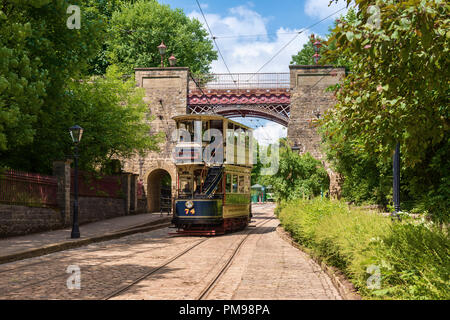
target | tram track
x=210, y=284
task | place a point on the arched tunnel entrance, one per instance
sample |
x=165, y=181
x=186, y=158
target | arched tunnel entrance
x=159, y=190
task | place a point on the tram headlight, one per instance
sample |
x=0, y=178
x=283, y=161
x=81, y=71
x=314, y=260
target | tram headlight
x=189, y=204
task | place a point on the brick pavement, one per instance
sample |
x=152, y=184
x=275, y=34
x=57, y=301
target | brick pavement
x=16, y=245
x=266, y=267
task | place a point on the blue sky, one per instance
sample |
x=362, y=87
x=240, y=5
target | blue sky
x=275, y=23
x=292, y=14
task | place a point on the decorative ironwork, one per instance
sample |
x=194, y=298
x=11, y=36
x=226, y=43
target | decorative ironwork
x=278, y=113
x=240, y=99
x=265, y=95
x=29, y=189
x=241, y=82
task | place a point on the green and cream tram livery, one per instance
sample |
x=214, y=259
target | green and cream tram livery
x=214, y=163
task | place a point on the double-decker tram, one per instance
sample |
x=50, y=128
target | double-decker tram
x=213, y=156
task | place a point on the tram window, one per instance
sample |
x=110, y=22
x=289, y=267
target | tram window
x=194, y=129
x=216, y=124
x=235, y=184
x=197, y=180
x=241, y=184
x=247, y=184
x=185, y=185
x=228, y=187
x=205, y=130
x=230, y=133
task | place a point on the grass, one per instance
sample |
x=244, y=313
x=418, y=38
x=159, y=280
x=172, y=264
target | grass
x=410, y=259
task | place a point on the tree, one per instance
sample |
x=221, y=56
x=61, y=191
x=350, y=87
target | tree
x=306, y=55
x=298, y=176
x=137, y=30
x=113, y=115
x=44, y=90
x=397, y=92
x=106, y=8
x=38, y=55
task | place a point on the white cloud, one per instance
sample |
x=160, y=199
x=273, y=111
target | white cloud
x=270, y=133
x=248, y=54
x=321, y=8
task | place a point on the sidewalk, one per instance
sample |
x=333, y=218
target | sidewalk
x=33, y=245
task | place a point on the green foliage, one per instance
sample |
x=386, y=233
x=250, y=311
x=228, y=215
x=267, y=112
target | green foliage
x=41, y=94
x=113, y=115
x=306, y=55
x=257, y=167
x=38, y=54
x=413, y=258
x=366, y=179
x=297, y=176
x=397, y=92
x=137, y=30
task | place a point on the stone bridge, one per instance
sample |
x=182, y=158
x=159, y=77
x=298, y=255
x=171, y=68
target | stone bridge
x=291, y=99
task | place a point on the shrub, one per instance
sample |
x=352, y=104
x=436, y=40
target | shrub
x=413, y=258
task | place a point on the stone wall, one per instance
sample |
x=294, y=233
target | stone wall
x=20, y=220
x=309, y=102
x=92, y=209
x=166, y=94
x=142, y=206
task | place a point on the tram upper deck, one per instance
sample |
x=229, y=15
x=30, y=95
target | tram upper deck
x=212, y=140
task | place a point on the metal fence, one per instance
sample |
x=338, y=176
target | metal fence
x=243, y=81
x=29, y=189
x=93, y=185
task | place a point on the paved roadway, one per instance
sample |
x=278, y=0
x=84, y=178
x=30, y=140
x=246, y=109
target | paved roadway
x=264, y=268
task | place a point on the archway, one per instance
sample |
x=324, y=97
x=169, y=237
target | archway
x=159, y=191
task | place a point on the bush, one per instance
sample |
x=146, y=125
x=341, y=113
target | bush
x=298, y=176
x=412, y=258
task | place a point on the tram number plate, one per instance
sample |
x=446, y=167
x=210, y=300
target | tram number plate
x=189, y=211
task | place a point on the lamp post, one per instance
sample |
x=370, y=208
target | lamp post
x=317, y=45
x=162, y=51
x=172, y=61
x=76, y=132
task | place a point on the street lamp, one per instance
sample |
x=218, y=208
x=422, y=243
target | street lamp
x=172, y=61
x=296, y=148
x=317, y=46
x=162, y=51
x=76, y=132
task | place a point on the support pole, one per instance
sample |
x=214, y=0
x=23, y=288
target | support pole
x=396, y=182
x=75, y=228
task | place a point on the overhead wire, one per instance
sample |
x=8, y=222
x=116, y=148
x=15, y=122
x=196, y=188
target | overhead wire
x=292, y=40
x=215, y=42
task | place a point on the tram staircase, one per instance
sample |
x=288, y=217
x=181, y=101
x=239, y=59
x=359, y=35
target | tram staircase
x=213, y=179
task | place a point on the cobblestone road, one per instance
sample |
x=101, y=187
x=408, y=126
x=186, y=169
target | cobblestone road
x=265, y=267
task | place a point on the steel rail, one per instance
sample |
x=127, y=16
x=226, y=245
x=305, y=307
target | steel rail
x=208, y=289
x=150, y=273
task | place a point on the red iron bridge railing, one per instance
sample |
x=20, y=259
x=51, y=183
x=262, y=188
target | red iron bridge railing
x=241, y=82
x=28, y=189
